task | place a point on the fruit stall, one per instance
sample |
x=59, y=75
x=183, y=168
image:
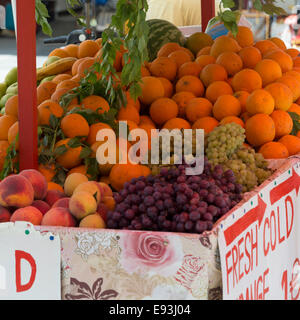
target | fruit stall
x=149, y=231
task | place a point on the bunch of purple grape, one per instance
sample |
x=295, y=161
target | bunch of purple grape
x=173, y=201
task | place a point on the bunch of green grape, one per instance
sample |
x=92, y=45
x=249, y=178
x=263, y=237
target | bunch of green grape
x=223, y=141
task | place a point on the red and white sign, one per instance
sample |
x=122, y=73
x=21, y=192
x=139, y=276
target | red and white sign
x=260, y=243
x=29, y=263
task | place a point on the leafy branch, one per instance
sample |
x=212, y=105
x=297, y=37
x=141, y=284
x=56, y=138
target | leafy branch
x=231, y=17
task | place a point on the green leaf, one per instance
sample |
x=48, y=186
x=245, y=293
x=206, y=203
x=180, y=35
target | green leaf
x=59, y=151
x=258, y=5
x=54, y=121
x=296, y=122
x=85, y=152
x=228, y=3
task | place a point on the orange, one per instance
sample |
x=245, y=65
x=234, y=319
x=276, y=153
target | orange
x=71, y=158
x=146, y=120
x=95, y=103
x=293, y=84
x=47, y=170
x=74, y=125
x=282, y=95
x=190, y=68
x=294, y=108
x=164, y=67
x=223, y=44
x=296, y=61
x=79, y=169
x=205, y=50
x=206, y=123
x=269, y=70
x=260, y=101
x=260, y=129
x=274, y=150
x=293, y=73
x=61, y=77
x=191, y=84
x=152, y=89
x=246, y=80
x=3, y=152
x=292, y=52
x=168, y=48
x=121, y=173
x=12, y=106
x=72, y=50
x=131, y=101
x=198, y=108
x=189, y=52
x=176, y=123
x=282, y=58
x=58, y=94
x=58, y=52
x=204, y=60
x=279, y=43
x=45, y=109
x=231, y=119
x=88, y=48
x=55, y=186
x=182, y=98
x=292, y=143
x=179, y=57
x=12, y=134
x=76, y=64
x=94, y=128
x=131, y=124
x=244, y=36
x=217, y=89
x=67, y=84
x=283, y=123
x=168, y=87
x=85, y=66
x=265, y=45
x=242, y=97
x=250, y=57
x=211, y=73
x=226, y=105
x=162, y=110
x=45, y=90
x=129, y=113
x=245, y=116
x=231, y=61
x=145, y=72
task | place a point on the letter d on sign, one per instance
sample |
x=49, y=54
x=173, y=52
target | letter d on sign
x=24, y=255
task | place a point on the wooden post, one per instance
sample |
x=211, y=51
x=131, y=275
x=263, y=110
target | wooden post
x=26, y=50
x=207, y=12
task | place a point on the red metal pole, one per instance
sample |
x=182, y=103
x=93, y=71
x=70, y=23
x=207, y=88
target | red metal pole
x=26, y=49
x=207, y=12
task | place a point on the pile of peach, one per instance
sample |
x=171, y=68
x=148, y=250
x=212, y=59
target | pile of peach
x=26, y=197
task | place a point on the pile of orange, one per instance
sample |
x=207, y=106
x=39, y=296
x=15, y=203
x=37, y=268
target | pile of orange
x=234, y=80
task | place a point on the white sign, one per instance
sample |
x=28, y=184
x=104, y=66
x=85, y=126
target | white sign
x=29, y=263
x=259, y=243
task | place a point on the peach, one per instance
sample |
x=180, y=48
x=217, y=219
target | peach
x=109, y=203
x=4, y=215
x=73, y=181
x=30, y=214
x=81, y=204
x=53, y=195
x=63, y=203
x=60, y=217
x=92, y=221
x=105, y=189
x=90, y=187
x=16, y=191
x=38, y=181
x=102, y=211
x=41, y=205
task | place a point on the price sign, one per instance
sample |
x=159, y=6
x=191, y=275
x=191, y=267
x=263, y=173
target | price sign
x=29, y=263
x=258, y=243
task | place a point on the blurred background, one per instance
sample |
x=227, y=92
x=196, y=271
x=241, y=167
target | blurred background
x=286, y=27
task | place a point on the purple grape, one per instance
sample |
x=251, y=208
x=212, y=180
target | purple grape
x=129, y=214
x=146, y=221
x=231, y=187
x=184, y=217
x=189, y=225
x=131, y=188
x=209, y=225
x=159, y=205
x=150, y=179
x=194, y=201
x=116, y=216
x=172, y=211
x=203, y=204
x=148, y=191
x=204, y=184
x=126, y=185
x=212, y=210
x=203, y=193
x=123, y=222
x=152, y=212
x=167, y=224
x=181, y=199
x=118, y=198
x=140, y=185
x=161, y=219
x=157, y=195
x=181, y=179
x=164, y=172
x=224, y=210
x=220, y=202
x=112, y=224
x=201, y=226
x=168, y=203
x=208, y=217
x=195, y=216
x=124, y=193
x=180, y=227
x=189, y=193
x=163, y=213
x=142, y=207
x=210, y=198
x=201, y=210
x=149, y=201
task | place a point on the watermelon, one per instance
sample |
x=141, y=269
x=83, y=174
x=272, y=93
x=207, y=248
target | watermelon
x=160, y=33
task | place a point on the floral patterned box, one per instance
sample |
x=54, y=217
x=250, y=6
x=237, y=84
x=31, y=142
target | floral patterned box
x=106, y=264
